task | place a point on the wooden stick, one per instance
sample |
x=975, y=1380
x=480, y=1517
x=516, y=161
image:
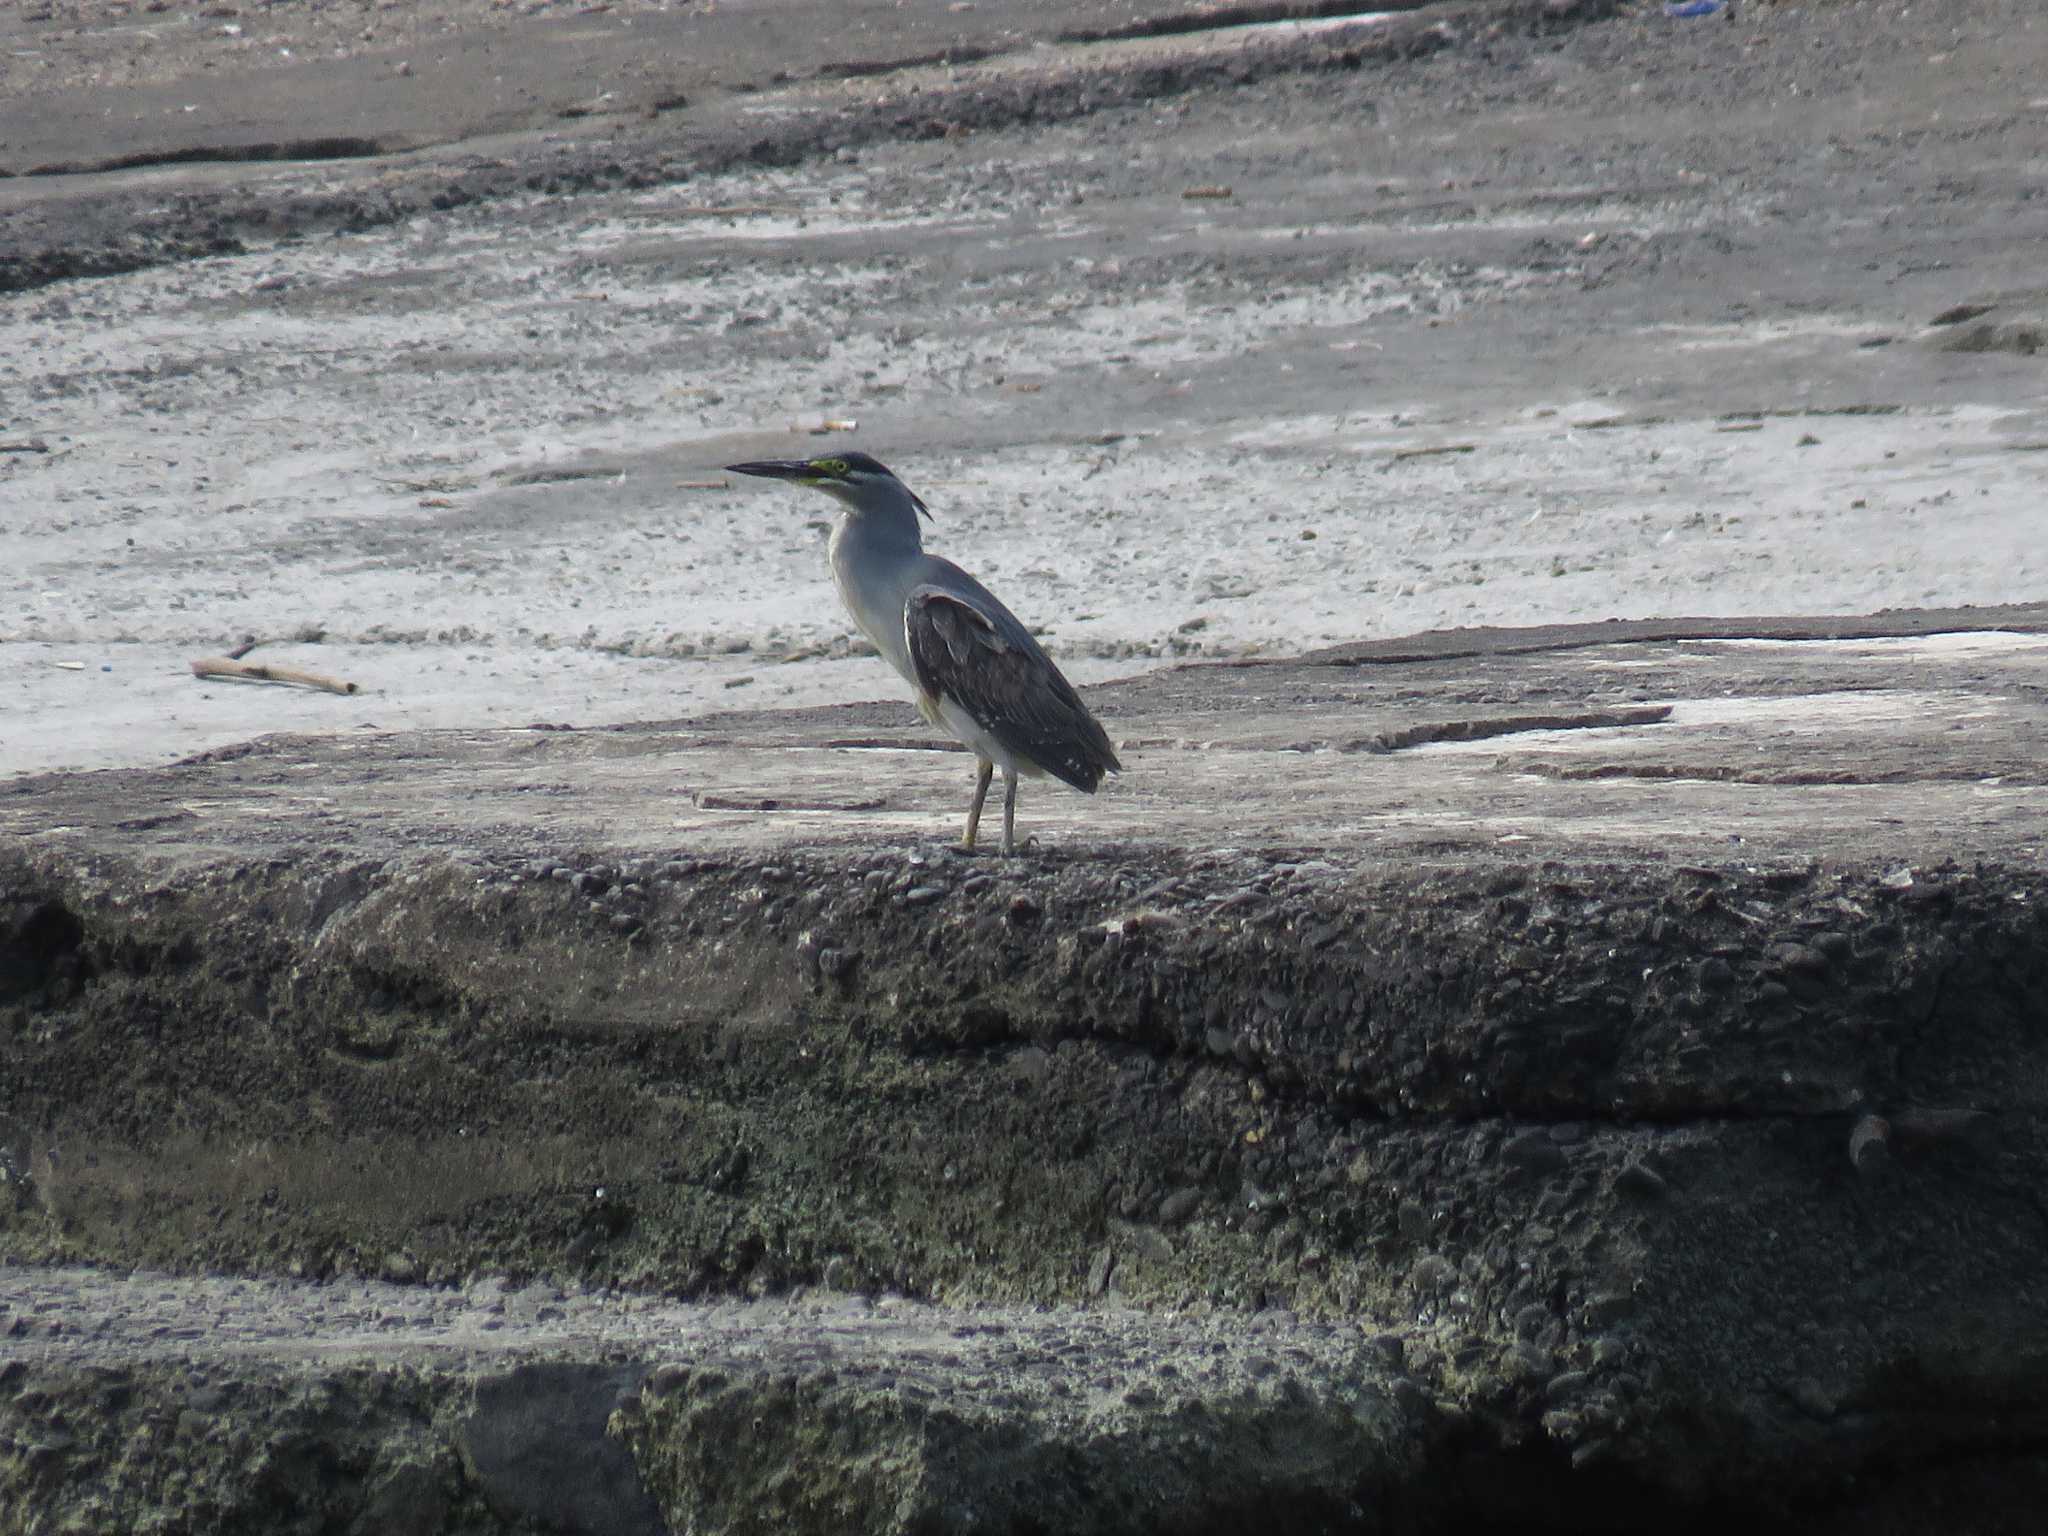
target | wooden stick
x=1403, y=455
x=731, y=210
x=257, y=672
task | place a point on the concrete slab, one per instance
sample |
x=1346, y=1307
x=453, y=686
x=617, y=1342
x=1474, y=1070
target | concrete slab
x=1905, y=748
x=1504, y=999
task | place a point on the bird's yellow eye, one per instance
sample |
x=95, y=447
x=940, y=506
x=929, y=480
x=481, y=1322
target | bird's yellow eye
x=829, y=469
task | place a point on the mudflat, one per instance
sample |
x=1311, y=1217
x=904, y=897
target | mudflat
x=1232, y=341
x=1546, y=1030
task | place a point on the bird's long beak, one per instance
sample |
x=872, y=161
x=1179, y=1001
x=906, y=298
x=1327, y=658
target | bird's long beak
x=774, y=469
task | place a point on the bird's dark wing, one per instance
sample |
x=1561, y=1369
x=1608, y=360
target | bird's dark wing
x=1006, y=684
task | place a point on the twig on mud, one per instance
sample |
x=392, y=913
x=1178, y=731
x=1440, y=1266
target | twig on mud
x=732, y=210
x=1609, y=423
x=562, y=476
x=1401, y=455
x=703, y=485
x=25, y=445
x=258, y=672
x=1191, y=194
x=829, y=424
x=432, y=485
x=305, y=634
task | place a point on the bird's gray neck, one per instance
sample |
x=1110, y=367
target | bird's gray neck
x=877, y=557
x=886, y=518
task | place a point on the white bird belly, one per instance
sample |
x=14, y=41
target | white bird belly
x=983, y=743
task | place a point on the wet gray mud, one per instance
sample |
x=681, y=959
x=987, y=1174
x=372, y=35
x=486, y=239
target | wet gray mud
x=1477, y=1068
x=1502, y=321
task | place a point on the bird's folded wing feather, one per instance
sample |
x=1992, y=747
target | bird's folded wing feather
x=1011, y=691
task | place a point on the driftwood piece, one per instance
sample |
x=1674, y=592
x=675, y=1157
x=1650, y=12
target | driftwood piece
x=259, y=672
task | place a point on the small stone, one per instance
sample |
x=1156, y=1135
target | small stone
x=1835, y=946
x=837, y=964
x=540, y=869
x=399, y=1268
x=1149, y=1243
x=1607, y=1308
x=626, y=923
x=1566, y=1384
x=1796, y=959
x=1024, y=910
x=1716, y=974
x=1412, y=1220
x=1808, y=1397
x=1099, y=1271
x=1525, y=1364
x=1178, y=1206
x=666, y=1381
x=1870, y=1150
x=1534, y=1151
x=974, y=885
x=1591, y=1452
x=1640, y=1181
x=923, y=895
x=1432, y=1274
x=589, y=883
x=1531, y=1320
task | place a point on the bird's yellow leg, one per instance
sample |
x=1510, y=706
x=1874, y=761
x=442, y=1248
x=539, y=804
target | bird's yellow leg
x=983, y=772
x=1009, y=809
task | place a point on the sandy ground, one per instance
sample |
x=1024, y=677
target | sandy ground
x=1633, y=320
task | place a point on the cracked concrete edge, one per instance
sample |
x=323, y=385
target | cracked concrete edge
x=1902, y=623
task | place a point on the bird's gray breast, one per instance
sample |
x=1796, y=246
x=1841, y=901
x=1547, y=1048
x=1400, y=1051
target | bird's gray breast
x=874, y=580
